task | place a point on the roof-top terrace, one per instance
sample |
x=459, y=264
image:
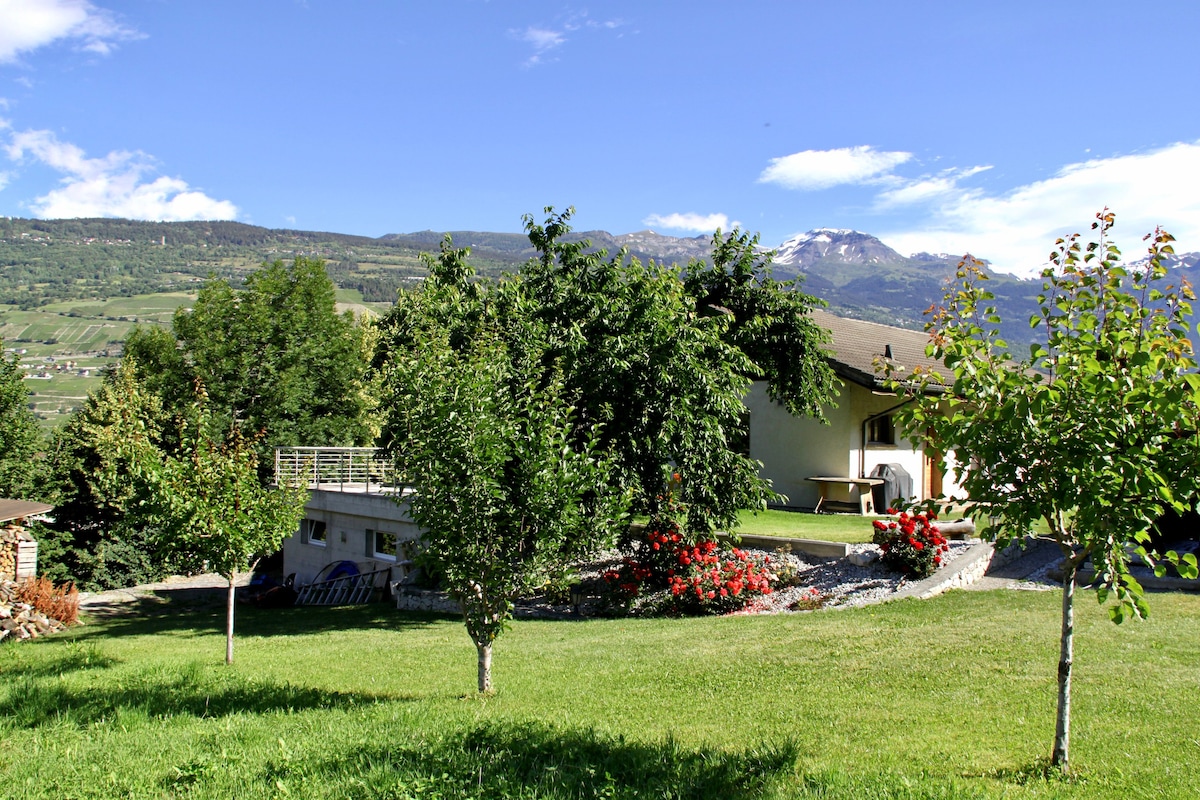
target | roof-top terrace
x=359, y=470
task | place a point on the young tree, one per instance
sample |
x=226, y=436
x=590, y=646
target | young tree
x=95, y=463
x=1096, y=432
x=212, y=509
x=20, y=439
x=481, y=426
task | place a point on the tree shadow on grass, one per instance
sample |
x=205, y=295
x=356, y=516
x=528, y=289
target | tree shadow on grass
x=188, y=691
x=530, y=760
x=164, y=615
x=65, y=656
x=1040, y=773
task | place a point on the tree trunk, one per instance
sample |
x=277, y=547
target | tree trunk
x=229, y=623
x=1062, y=727
x=485, y=667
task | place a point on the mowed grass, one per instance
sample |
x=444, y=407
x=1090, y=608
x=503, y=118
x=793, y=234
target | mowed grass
x=803, y=525
x=951, y=697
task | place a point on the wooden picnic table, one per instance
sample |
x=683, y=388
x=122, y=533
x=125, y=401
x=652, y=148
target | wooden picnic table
x=860, y=487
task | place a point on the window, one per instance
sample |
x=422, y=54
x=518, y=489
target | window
x=312, y=531
x=881, y=430
x=381, y=544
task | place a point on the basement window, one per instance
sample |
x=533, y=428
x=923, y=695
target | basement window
x=881, y=430
x=381, y=544
x=312, y=531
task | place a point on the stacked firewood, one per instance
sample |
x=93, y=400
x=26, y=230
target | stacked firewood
x=8, y=551
x=20, y=620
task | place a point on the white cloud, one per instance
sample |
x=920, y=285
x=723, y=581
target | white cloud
x=821, y=169
x=1016, y=230
x=543, y=41
x=927, y=188
x=698, y=223
x=111, y=186
x=26, y=25
x=546, y=40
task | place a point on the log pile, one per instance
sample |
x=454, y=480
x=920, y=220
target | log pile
x=20, y=621
x=18, y=553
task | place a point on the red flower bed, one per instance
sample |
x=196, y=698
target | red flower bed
x=911, y=544
x=702, y=577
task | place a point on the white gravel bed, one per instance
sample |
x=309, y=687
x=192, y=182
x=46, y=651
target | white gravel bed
x=839, y=583
x=824, y=583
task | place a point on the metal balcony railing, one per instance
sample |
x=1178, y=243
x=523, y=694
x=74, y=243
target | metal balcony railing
x=335, y=469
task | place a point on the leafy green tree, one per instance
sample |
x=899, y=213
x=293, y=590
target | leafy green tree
x=481, y=425
x=662, y=384
x=508, y=390
x=211, y=509
x=20, y=439
x=769, y=321
x=95, y=462
x=1096, y=433
x=276, y=358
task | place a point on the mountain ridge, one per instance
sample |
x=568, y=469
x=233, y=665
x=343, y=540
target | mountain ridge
x=854, y=272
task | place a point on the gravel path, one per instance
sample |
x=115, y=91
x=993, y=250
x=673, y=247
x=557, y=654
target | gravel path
x=186, y=588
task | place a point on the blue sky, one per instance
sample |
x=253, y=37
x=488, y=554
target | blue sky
x=948, y=127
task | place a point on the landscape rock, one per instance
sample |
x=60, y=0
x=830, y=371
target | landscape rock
x=864, y=557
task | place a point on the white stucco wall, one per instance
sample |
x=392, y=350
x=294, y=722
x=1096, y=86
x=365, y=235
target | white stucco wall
x=347, y=517
x=792, y=449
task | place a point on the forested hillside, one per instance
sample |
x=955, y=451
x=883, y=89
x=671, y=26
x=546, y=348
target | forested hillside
x=43, y=261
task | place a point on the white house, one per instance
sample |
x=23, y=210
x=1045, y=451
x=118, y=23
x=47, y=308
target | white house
x=860, y=434
x=352, y=513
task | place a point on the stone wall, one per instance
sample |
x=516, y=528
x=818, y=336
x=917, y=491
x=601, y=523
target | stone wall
x=409, y=598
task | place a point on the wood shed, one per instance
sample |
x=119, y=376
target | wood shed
x=18, y=549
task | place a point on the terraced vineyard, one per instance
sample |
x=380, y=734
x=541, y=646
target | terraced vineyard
x=64, y=346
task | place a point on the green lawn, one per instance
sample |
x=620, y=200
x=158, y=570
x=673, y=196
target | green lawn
x=951, y=697
x=802, y=525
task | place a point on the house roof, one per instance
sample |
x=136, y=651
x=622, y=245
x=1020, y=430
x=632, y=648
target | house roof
x=855, y=346
x=17, y=509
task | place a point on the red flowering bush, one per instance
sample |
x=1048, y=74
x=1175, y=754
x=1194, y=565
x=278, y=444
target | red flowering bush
x=625, y=583
x=657, y=547
x=911, y=544
x=712, y=581
x=695, y=575
x=702, y=578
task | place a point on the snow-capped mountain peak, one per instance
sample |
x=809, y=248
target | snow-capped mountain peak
x=838, y=244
